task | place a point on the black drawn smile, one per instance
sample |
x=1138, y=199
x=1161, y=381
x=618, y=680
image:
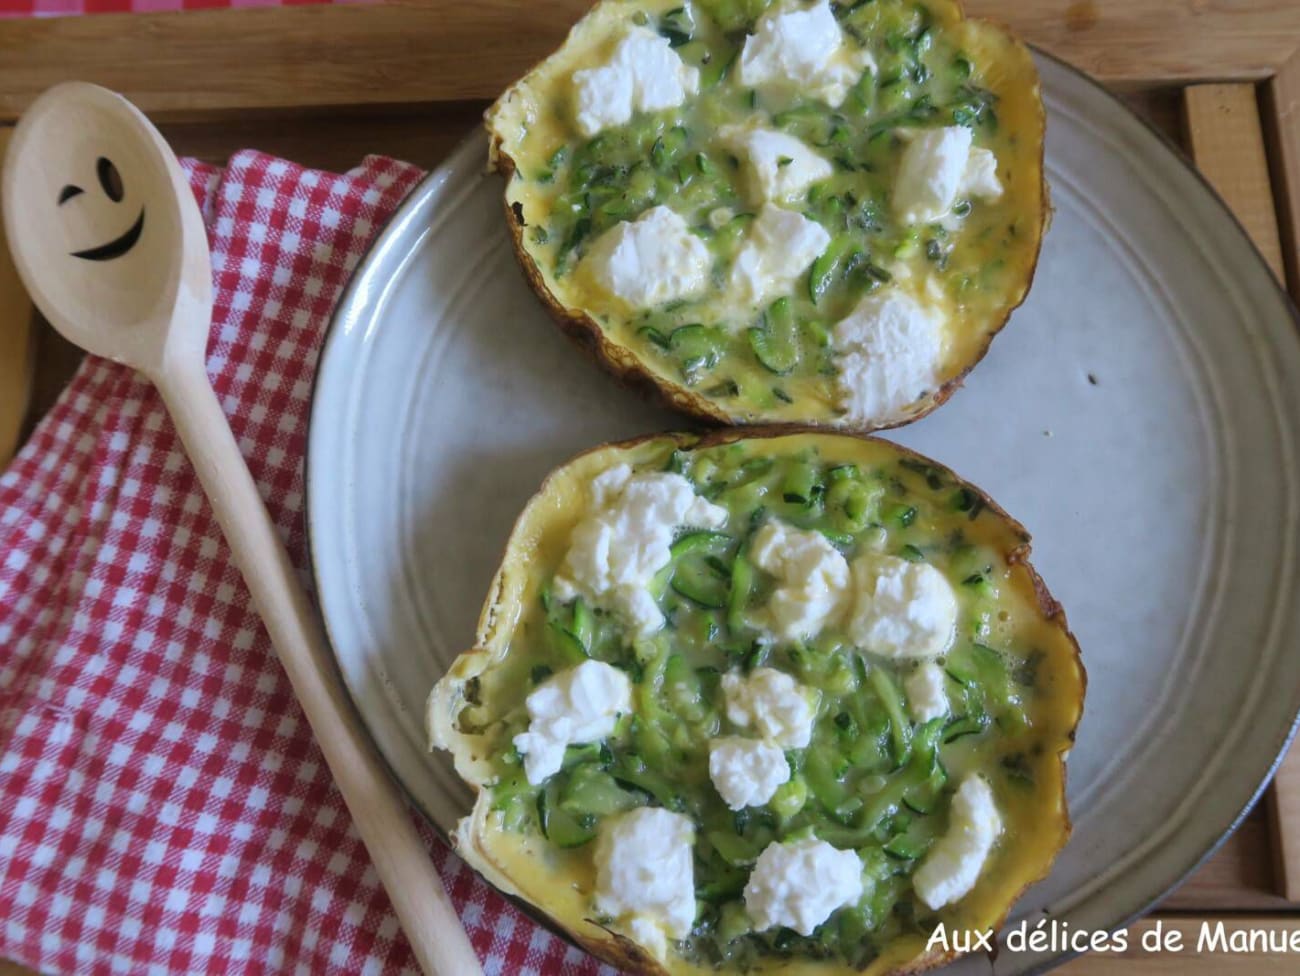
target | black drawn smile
x=115, y=248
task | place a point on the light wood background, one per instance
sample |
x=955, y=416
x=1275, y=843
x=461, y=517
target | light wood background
x=326, y=85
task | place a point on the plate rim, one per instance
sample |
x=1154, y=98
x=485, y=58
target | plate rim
x=364, y=269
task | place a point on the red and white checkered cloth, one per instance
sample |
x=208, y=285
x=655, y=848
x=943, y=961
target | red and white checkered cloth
x=163, y=807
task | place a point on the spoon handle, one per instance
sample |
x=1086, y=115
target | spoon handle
x=401, y=861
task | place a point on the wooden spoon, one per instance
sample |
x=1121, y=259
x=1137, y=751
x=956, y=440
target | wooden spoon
x=110, y=243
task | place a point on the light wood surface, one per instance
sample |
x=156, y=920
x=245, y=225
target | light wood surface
x=147, y=303
x=420, y=51
x=16, y=350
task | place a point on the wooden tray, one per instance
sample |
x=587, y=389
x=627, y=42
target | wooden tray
x=326, y=85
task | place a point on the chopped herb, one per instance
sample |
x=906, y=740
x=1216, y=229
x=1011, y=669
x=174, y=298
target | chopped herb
x=654, y=335
x=677, y=25
x=934, y=478
x=577, y=234
x=1026, y=672
x=1017, y=768
x=969, y=502
x=912, y=554
x=659, y=153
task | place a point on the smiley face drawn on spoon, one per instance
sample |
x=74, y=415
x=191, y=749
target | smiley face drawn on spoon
x=110, y=181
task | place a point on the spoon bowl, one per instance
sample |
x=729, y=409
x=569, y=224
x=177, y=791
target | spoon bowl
x=105, y=230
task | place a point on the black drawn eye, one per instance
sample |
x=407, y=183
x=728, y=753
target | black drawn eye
x=68, y=192
x=110, y=179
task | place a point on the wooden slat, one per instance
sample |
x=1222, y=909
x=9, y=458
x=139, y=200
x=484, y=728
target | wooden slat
x=1206, y=960
x=16, y=354
x=1227, y=141
x=1147, y=42
x=1162, y=107
x=439, y=50
x=1284, y=810
x=420, y=134
x=56, y=360
x=1282, y=123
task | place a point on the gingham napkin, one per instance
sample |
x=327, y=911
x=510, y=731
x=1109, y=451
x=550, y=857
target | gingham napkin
x=163, y=807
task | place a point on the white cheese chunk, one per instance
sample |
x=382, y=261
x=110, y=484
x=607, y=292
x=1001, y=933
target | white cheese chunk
x=812, y=578
x=930, y=173
x=953, y=865
x=804, y=50
x=649, y=261
x=889, y=350
x=777, y=166
x=926, y=695
x=777, y=250
x=901, y=609
x=772, y=704
x=644, y=74
x=937, y=166
x=574, y=707
x=617, y=549
x=981, y=179
x=745, y=772
x=645, y=876
x=799, y=884
x=607, y=486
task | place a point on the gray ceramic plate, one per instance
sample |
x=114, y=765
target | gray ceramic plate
x=1139, y=414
